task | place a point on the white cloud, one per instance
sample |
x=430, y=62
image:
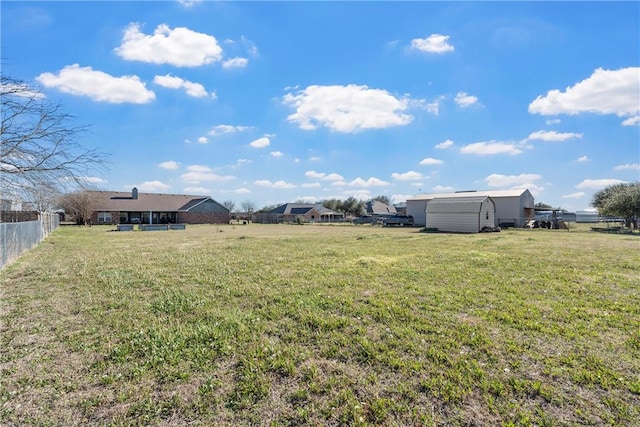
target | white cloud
x=150, y=186
x=283, y=185
x=371, y=182
x=199, y=173
x=203, y=140
x=633, y=167
x=493, y=147
x=192, y=89
x=180, y=47
x=242, y=191
x=21, y=90
x=169, y=165
x=574, y=195
x=314, y=158
x=443, y=189
x=465, y=100
x=359, y=194
x=277, y=184
x=430, y=161
x=95, y=180
x=407, y=176
x=552, y=121
x=276, y=153
x=632, y=121
x=260, y=142
x=189, y=3
x=97, y=85
x=198, y=168
x=311, y=185
x=222, y=129
x=235, y=63
x=524, y=180
x=249, y=45
x=604, y=92
x=346, y=109
x=582, y=159
x=554, y=136
x=445, y=144
x=435, y=43
x=323, y=176
x=314, y=174
x=196, y=190
x=596, y=184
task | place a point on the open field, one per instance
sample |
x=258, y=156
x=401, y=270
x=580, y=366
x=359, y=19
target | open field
x=322, y=325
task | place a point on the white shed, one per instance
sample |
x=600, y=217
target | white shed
x=513, y=207
x=461, y=214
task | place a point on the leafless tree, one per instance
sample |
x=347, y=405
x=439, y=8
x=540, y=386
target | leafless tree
x=79, y=204
x=229, y=204
x=40, y=146
x=248, y=206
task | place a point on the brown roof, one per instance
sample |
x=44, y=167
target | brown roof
x=123, y=201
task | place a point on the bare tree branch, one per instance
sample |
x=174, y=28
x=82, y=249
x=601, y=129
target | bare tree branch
x=39, y=144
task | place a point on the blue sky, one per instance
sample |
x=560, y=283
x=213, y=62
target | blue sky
x=286, y=101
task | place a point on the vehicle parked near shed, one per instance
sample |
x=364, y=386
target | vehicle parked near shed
x=400, y=220
x=364, y=219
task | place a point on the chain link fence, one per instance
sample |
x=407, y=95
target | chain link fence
x=19, y=237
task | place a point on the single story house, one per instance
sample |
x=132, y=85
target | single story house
x=468, y=214
x=115, y=207
x=513, y=207
x=291, y=212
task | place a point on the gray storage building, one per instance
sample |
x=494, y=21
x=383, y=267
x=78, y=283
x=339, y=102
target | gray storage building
x=461, y=214
x=513, y=207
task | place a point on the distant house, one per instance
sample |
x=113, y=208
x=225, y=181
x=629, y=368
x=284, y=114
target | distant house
x=292, y=212
x=114, y=207
x=377, y=208
x=513, y=207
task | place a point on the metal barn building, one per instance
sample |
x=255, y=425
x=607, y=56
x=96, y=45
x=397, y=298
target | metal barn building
x=513, y=207
x=461, y=214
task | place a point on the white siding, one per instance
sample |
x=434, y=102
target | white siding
x=460, y=215
x=416, y=209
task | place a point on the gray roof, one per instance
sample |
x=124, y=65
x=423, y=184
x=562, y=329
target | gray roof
x=301, y=209
x=494, y=194
x=375, y=207
x=470, y=203
x=112, y=201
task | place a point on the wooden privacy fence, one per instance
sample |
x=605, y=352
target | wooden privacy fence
x=18, y=237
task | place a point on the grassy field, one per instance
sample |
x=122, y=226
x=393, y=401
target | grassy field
x=322, y=325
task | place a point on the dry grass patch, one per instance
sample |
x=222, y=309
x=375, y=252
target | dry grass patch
x=321, y=325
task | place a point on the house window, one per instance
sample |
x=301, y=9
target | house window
x=104, y=217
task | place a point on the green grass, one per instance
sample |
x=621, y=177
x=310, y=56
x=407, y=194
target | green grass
x=322, y=325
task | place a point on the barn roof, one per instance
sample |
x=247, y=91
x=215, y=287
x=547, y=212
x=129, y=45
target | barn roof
x=492, y=193
x=457, y=204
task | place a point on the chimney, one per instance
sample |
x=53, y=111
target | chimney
x=134, y=193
